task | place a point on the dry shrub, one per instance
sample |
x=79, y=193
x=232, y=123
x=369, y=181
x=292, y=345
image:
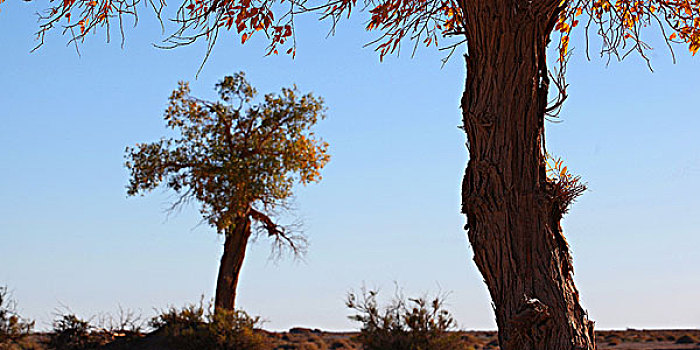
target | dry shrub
x=404, y=324
x=198, y=327
x=314, y=338
x=125, y=323
x=14, y=330
x=614, y=341
x=72, y=333
x=310, y=346
x=686, y=339
x=340, y=344
x=126, y=327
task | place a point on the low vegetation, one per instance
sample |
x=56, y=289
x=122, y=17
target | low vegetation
x=14, y=330
x=72, y=333
x=198, y=327
x=404, y=324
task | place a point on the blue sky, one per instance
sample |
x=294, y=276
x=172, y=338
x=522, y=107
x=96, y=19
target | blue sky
x=387, y=210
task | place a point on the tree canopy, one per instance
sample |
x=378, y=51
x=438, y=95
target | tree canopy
x=620, y=23
x=235, y=157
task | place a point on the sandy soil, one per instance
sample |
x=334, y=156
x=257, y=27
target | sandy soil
x=314, y=339
x=310, y=339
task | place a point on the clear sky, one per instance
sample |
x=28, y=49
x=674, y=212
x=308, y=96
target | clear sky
x=387, y=210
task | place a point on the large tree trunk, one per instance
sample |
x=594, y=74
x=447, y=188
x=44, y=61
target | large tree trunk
x=231, y=262
x=513, y=216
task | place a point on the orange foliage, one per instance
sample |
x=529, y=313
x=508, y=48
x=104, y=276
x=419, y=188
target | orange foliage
x=565, y=187
x=620, y=22
x=424, y=21
x=233, y=155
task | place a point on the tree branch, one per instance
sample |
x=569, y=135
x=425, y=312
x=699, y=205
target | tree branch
x=296, y=243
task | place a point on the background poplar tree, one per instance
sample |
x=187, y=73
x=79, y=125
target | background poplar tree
x=238, y=160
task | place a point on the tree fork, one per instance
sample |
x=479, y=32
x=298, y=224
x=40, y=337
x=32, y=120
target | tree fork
x=231, y=263
x=513, y=217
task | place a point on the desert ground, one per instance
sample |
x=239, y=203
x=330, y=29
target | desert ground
x=307, y=339
x=314, y=339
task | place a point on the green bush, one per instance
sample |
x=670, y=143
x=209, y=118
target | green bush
x=199, y=327
x=14, y=329
x=412, y=324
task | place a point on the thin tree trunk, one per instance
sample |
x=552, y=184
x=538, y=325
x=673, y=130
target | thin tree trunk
x=231, y=262
x=513, y=217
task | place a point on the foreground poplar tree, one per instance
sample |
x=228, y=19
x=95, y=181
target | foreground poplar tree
x=512, y=206
x=238, y=160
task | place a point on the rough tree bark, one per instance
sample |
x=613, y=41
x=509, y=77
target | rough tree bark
x=513, y=217
x=231, y=262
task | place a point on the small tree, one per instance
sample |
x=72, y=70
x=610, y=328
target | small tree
x=239, y=160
